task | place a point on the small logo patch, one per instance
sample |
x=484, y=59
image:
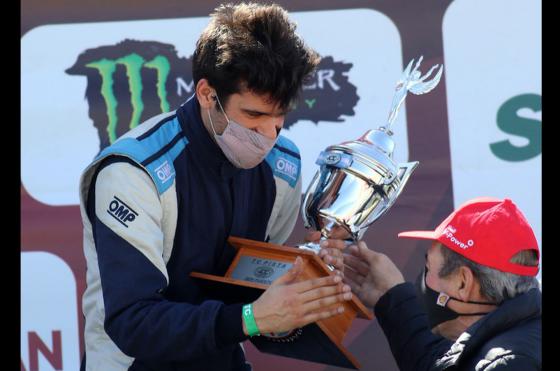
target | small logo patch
x=287, y=168
x=121, y=211
x=442, y=299
x=332, y=159
x=164, y=172
x=263, y=272
x=450, y=231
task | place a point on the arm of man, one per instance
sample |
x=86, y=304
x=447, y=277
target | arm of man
x=380, y=284
x=285, y=212
x=509, y=362
x=138, y=317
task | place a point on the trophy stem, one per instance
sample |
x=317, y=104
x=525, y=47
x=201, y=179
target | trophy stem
x=316, y=248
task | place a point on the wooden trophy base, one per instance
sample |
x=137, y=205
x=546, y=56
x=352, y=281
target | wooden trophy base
x=255, y=266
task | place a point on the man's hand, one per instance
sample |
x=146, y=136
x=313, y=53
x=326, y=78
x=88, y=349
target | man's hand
x=288, y=304
x=331, y=249
x=369, y=273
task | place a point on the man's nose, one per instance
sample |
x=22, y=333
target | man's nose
x=270, y=130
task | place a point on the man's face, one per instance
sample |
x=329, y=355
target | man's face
x=255, y=112
x=449, y=285
x=434, y=263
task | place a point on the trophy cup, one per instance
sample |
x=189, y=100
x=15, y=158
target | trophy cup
x=356, y=184
x=358, y=181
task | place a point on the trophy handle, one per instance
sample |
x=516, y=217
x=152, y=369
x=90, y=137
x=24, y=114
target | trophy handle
x=307, y=199
x=403, y=174
x=358, y=235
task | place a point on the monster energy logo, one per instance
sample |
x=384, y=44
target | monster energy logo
x=133, y=64
x=130, y=81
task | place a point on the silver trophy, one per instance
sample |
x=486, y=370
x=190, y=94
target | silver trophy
x=358, y=181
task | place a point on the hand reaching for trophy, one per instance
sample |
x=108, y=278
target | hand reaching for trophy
x=332, y=248
x=288, y=304
x=370, y=274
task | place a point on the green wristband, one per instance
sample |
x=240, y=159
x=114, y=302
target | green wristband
x=249, y=320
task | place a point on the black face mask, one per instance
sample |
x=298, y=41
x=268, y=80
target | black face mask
x=435, y=303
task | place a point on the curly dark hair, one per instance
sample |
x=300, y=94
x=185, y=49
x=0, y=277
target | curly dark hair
x=254, y=47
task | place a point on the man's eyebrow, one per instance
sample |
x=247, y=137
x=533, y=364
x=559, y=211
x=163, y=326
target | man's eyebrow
x=256, y=112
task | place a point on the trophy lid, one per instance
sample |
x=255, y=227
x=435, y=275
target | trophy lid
x=374, y=149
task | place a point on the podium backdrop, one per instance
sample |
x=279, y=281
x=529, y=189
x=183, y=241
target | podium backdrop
x=91, y=70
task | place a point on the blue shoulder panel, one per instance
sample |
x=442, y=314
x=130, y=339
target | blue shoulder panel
x=285, y=161
x=155, y=152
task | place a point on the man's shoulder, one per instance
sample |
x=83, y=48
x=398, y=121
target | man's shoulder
x=518, y=345
x=287, y=146
x=153, y=146
x=285, y=161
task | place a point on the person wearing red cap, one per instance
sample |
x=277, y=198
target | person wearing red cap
x=476, y=304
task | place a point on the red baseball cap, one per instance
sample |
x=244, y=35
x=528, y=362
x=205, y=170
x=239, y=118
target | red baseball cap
x=487, y=231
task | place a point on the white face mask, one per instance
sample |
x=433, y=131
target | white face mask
x=243, y=147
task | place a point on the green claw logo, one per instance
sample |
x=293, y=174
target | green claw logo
x=131, y=81
x=133, y=64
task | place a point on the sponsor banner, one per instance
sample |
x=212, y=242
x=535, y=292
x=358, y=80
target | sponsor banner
x=495, y=103
x=49, y=314
x=80, y=94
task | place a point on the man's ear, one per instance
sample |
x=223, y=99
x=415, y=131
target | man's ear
x=205, y=94
x=466, y=283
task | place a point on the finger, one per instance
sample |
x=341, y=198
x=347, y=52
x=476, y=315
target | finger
x=323, y=292
x=311, y=284
x=326, y=302
x=339, y=233
x=317, y=316
x=337, y=263
x=353, y=250
x=353, y=277
x=292, y=274
x=335, y=253
x=366, y=253
x=313, y=236
x=354, y=287
x=356, y=264
x=333, y=244
x=333, y=257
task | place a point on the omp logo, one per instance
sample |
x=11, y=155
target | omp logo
x=449, y=232
x=287, y=167
x=121, y=211
x=164, y=172
x=131, y=81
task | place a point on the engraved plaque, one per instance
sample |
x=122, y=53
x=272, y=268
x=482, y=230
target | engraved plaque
x=259, y=270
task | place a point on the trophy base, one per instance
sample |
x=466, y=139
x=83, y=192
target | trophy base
x=255, y=266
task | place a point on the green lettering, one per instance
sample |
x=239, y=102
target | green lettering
x=510, y=122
